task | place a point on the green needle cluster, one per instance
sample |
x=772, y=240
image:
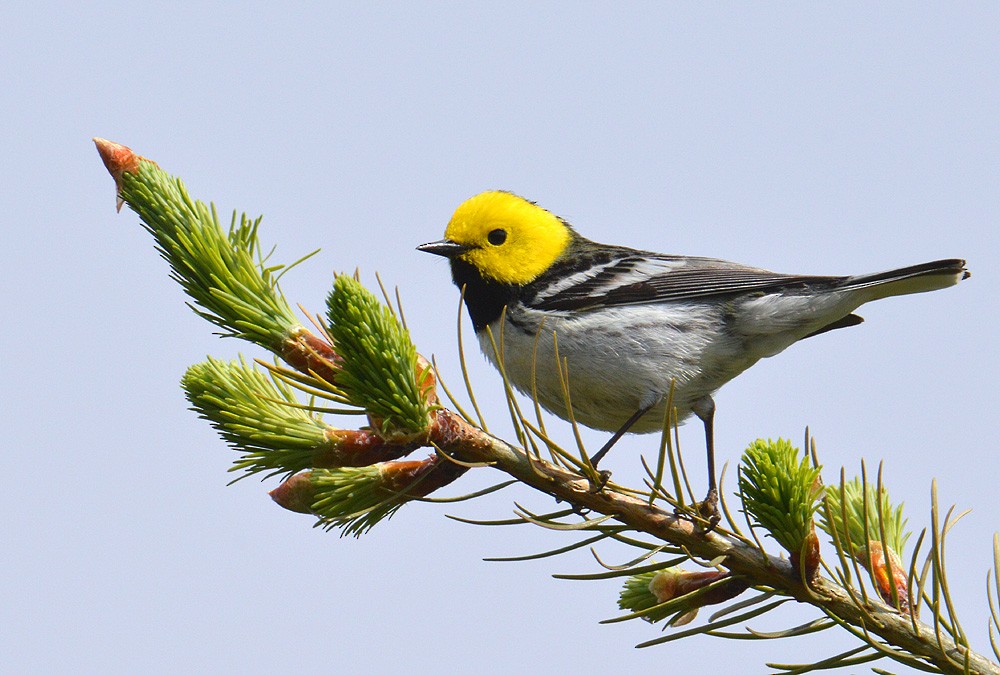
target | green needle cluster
x=854, y=503
x=636, y=596
x=256, y=415
x=380, y=372
x=352, y=499
x=780, y=490
x=223, y=273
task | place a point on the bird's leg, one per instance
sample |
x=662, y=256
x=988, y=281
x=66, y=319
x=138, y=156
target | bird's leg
x=704, y=408
x=597, y=456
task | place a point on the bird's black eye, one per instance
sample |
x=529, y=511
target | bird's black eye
x=497, y=237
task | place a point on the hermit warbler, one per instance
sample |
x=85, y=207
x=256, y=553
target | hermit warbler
x=630, y=324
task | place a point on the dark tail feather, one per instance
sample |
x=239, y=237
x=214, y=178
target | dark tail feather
x=929, y=276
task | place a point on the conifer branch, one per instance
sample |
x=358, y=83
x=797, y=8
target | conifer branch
x=364, y=363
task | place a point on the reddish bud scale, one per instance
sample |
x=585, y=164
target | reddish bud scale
x=888, y=571
x=448, y=431
x=673, y=583
x=807, y=560
x=308, y=353
x=420, y=478
x=295, y=494
x=118, y=160
x=726, y=591
x=428, y=387
x=363, y=447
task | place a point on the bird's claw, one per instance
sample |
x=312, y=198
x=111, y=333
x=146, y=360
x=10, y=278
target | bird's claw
x=709, y=510
x=706, y=511
x=599, y=480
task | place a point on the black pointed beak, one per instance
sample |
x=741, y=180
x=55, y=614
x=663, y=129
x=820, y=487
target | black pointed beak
x=445, y=247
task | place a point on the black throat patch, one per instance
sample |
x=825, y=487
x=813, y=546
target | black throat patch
x=484, y=299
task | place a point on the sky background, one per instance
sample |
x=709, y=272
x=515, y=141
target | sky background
x=800, y=138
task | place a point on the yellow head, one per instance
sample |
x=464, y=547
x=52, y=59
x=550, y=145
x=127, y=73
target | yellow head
x=505, y=237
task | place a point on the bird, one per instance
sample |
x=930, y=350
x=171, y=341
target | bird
x=624, y=329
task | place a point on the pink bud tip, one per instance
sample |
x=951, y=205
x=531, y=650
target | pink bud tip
x=117, y=159
x=295, y=494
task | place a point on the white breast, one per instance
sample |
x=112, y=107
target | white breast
x=619, y=359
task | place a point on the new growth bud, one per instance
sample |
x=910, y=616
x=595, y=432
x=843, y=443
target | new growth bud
x=887, y=572
x=678, y=593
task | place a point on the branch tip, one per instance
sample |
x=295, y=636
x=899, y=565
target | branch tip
x=118, y=159
x=295, y=494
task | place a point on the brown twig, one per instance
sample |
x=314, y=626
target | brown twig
x=468, y=443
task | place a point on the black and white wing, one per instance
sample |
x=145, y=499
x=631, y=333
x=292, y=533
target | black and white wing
x=646, y=278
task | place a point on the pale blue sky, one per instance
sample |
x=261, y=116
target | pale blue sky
x=789, y=136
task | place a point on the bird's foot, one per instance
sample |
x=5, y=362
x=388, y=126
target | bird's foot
x=709, y=509
x=599, y=480
x=706, y=511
